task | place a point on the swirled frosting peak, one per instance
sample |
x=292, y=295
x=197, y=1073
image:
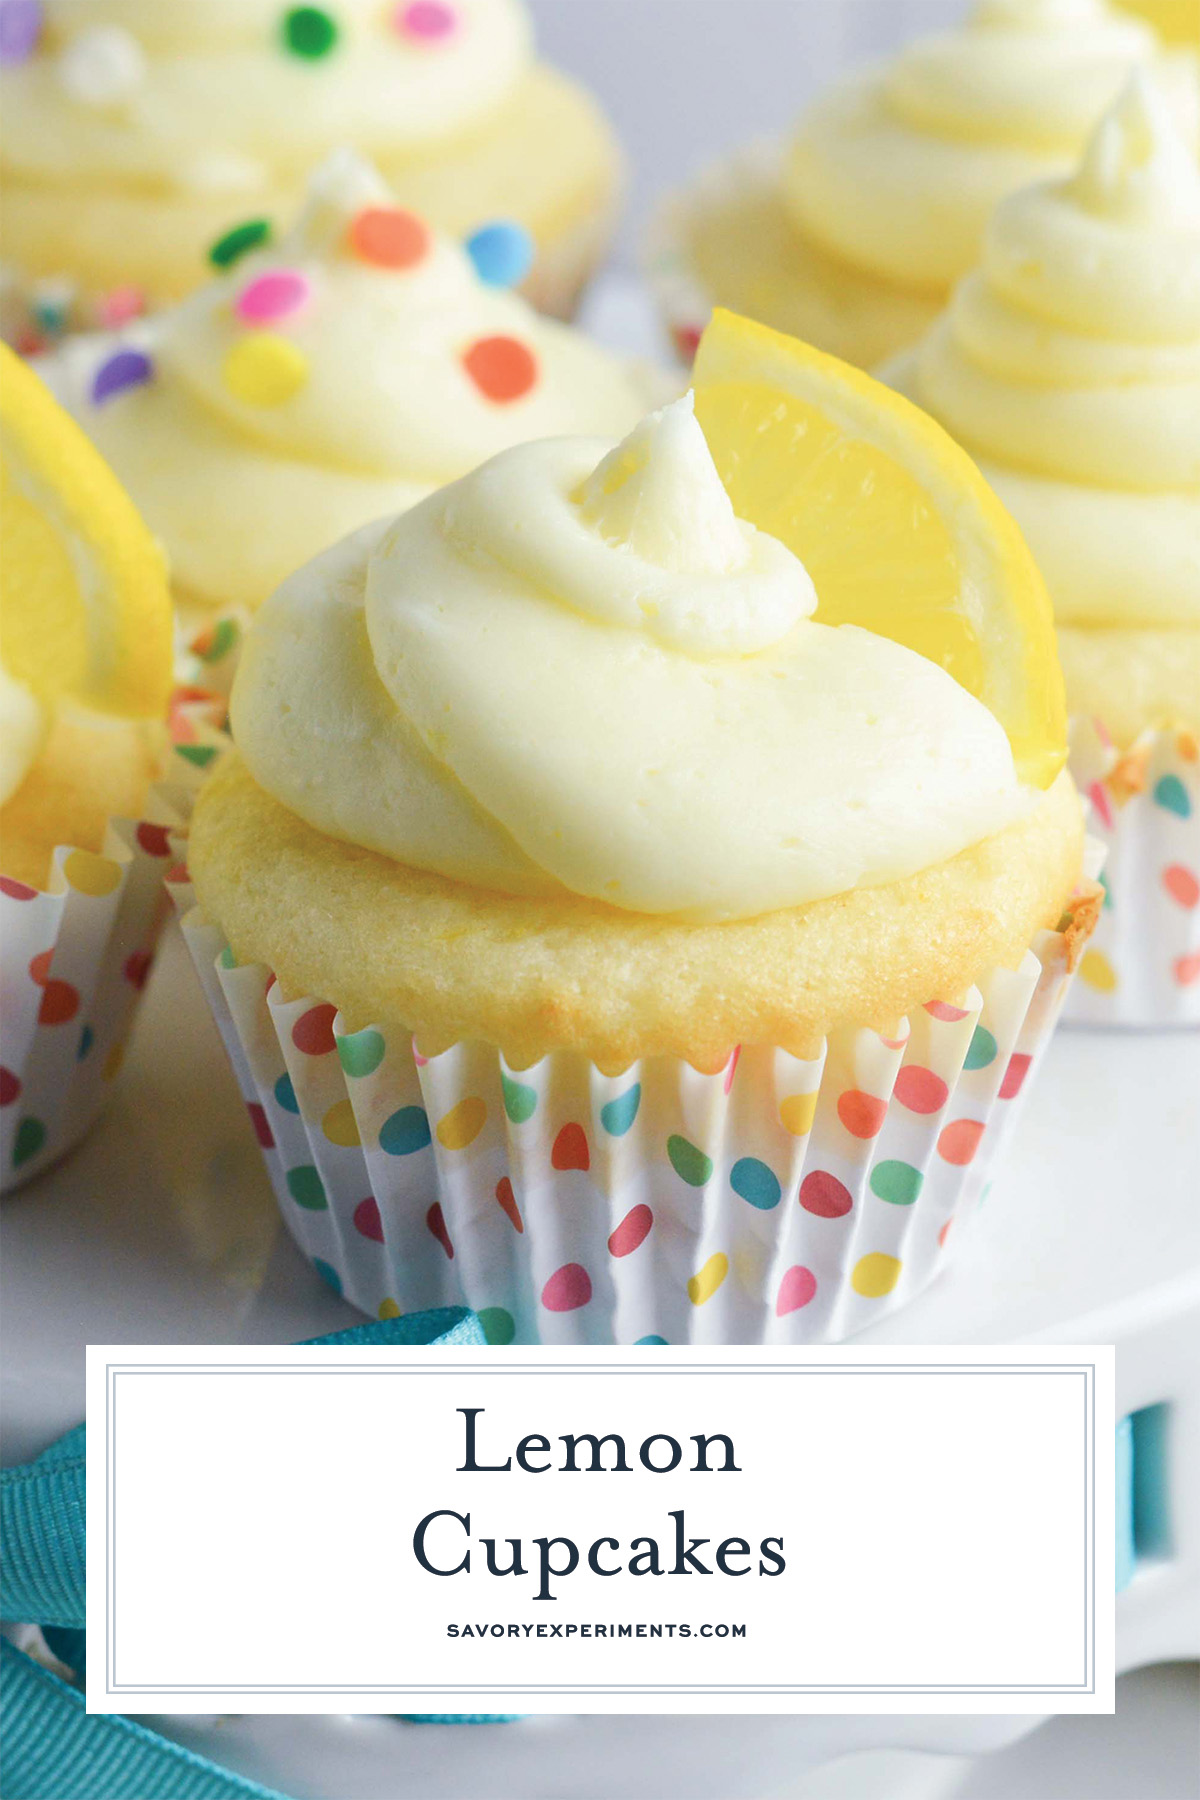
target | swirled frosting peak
x=575, y=670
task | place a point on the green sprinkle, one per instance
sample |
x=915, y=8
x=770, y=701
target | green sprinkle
x=235, y=243
x=307, y=31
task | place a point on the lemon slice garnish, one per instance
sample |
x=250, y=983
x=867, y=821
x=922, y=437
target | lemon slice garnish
x=895, y=524
x=85, y=611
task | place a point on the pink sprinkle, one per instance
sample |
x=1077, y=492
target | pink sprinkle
x=273, y=296
x=121, y=305
x=429, y=19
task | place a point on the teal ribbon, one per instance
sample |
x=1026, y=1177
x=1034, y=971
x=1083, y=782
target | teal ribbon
x=52, y=1748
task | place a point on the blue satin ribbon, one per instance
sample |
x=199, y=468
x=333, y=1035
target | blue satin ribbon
x=52, y=1748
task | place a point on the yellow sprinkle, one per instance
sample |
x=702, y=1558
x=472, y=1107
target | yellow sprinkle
x=462, y=1124
x=796, y=1113
x=264, y=369
x=1096, y=970
x=90, y=874
x=340, y=1125
x=875, y=1275
x=703, y=1286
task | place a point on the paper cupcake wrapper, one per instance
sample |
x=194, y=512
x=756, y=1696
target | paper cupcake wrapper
x=1142, y=966
x=781, y=1200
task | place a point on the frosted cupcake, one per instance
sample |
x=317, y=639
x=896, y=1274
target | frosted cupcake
x=138, y=132
x=329, y=379
x=652, y=960
x=1069, y=365
x=84, y=680
x=853, y=235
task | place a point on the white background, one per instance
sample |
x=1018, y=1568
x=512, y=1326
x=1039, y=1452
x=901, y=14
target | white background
x=933, y=1524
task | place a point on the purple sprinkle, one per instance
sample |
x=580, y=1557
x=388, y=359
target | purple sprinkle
x=124, y=369
x=20, y=28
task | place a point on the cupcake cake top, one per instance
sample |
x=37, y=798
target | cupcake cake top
x=129, y=89
x=1069, y=364
x=897, y=168
x=326, y=379
x=576, y=670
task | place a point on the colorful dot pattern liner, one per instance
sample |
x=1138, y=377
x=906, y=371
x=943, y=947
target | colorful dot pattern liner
x=779, y=1200
x=1142, y=966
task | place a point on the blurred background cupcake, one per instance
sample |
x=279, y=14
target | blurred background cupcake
x=84, y=683
x=852, y=233
x=1069, y=365
x=326, y=379
x=137, y=132
x=650, y=960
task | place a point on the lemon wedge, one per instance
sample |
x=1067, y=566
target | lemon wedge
x=895, y=524
x=85, y=610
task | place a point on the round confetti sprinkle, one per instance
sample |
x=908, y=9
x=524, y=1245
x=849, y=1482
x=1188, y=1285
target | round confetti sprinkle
x=406, y=1132
x=91, y=874
x=306, y=1188
x=755, y=1183
x=896, y=1182
x=920, y=1090
x=462, y=1124
x=427, y=20
x=506, y=1200
x=502, y=368
x=120, y=306
x=502, y=252
x=367, y=1219
x=276, y=295
x=1182, y=886
x=499, y=1326
x=263, y=369
x=328, y=1273
x=632, y=1232
x=875, y=1275
x=1186, y=970
x=60, y=1003
x=389, y=237
x=981, y=1050
x=262, y=1128
x=285, y=1095
x=235, y=243
x=308, y=31
x=824, y=1195
x=1170, y=793
x=618, y=1115
x=571, y=1149
x=689, y=1163
x=958, y=1141
x=137, y=968
x=312, y=1033
x=153, y=839
x=20, y=28
x=568, y=1289
x=123, y=369
x=797, y=1113
x=388, y=1309
x=704, y=1284
x=435, y=1220
x=861, y=1114
x=340, y=1125
x=361, y=1052
x=31, y=1135
x=1014, y=1075
x=16, y=890
x=520, y=1102
x=795, y=1290
x=10, y=1087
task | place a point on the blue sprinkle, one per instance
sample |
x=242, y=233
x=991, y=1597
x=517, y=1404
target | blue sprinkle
x=124, y=369
x=502, y=253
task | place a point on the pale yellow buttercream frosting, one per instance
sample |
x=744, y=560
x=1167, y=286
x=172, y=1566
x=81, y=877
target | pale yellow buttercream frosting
x=576, y=671
x=1069, y=365
x=392, y=380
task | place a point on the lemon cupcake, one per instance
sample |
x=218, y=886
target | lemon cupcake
x=853, y=234
x=651, y=959
x=316, y=383
x=1069, y=365
x=84, y=681
x=138, y=132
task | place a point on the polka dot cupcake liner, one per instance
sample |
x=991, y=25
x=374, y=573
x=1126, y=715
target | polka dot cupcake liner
x=1142, y=967
x=779, y=1200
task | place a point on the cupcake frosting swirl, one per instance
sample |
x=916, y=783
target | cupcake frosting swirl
x=897, y=169
x=576, y=670
x=1069, y=365
x=324, y=381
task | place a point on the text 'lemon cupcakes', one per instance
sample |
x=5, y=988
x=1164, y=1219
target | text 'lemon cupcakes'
x=852, y=235
x=321, y=381
x=138, y=132
x=636, y=921
x=1069, y=365
x=85, y=671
